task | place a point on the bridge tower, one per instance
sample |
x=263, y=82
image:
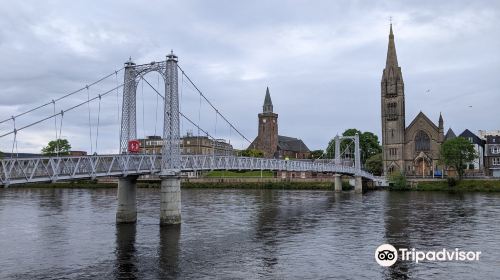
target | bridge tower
x=358, y=187
x=170, y=198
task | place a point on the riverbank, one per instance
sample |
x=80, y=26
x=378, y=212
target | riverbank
x=473, y=185
x=278, y=183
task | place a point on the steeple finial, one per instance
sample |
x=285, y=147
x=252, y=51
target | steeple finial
x=268, y=104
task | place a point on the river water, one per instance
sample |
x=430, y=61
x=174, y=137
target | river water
x=245, y=234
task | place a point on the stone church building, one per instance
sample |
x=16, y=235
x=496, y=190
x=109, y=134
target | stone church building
x=272, y=144
x=412, y=149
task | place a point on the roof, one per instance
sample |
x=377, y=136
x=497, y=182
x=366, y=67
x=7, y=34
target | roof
x=268, y=104
x=291, y=144
x=392, y=58
x=475, y=139
x=425, y=118
x=450, y=134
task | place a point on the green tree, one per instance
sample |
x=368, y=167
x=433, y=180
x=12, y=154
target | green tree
x=397, y=181
x=317, y=154
x=1, y=155
x=368, y=143
x=456, y=153
x=374, y=164
x=59, y=146
x=252, y=153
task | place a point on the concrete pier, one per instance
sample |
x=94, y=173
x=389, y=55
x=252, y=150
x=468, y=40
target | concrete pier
x=358, y=187
x=170, y=200
x=338, y=182
x=127, y=208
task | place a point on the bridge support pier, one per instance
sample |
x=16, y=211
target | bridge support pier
x=127, y=208
x=358, y=186
x=338, y=182
x=170, y=200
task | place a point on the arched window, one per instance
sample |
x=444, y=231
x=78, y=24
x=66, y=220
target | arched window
x=422, y=141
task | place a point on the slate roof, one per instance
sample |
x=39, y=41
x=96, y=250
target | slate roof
x=291, y=144
x=450, y=135
x=475, y=139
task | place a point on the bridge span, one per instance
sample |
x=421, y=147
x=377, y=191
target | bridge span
x=15, y=171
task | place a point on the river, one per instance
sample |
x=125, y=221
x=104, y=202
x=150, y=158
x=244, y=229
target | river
x=245, y=234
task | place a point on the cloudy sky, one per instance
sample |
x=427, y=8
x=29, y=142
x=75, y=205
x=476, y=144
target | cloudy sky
x=322, y=61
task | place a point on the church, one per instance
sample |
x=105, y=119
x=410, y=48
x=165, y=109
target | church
x=272, y=144
x=413, y=149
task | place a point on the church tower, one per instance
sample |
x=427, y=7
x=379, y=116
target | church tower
x=393, y=111
x=267, y=138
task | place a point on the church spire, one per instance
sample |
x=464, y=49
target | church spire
x=268, y=104
x=392, y=58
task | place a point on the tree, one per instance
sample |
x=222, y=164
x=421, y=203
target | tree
x=1, y=155
x=317, y=154
x=368, y=143
x=59, y=146
x=252, y=153
x=374, y=165
x=456, y=153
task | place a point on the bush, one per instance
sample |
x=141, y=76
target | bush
x=451, y=182
x=397, y=181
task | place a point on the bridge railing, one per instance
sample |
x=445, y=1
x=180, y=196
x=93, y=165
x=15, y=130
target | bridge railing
x=43, y=169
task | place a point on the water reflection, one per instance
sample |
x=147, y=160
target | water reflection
x=397, y=223
x=169, y=251
x=126, y=260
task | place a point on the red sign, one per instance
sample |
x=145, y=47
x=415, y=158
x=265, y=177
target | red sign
x=133, y=146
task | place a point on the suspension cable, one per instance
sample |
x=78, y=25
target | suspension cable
x=55, y=128
x=206, y=99
x=180, y=113
x=98, y=121
x=90, y=122
x=62, y=97
x=63, y=111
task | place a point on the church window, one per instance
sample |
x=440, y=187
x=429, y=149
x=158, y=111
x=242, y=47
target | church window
x=264, y=120
x=495, y=150
x=422, y=141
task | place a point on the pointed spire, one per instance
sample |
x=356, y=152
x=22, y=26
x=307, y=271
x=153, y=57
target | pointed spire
x=440, y=120
x=268, y=104
x=392, y=58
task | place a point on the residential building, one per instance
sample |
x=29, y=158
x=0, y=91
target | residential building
x=492, y=156
x=478, y=163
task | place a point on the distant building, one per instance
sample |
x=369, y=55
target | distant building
x=202, y=145
x=492, y=156
x=449, y=135
x=77, y=153
x=484, y=133
x=478, y=163
x=272, y=144
x=190, y=145
x=151, y=145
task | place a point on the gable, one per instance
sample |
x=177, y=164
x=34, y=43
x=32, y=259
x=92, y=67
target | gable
x=421, y=122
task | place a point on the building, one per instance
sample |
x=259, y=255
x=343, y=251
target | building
x=478, y=164
x=272, y=144
x=190, y=145
x=492, y=156
x=412, y=149
x=202, y=145
x=151, y=145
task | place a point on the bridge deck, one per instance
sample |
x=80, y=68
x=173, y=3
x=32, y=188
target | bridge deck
x=51, y=169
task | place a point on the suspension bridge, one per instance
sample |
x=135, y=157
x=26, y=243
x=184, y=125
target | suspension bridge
x=128, y=165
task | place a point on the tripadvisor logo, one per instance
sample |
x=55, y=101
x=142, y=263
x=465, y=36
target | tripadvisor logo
x=387, y=255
